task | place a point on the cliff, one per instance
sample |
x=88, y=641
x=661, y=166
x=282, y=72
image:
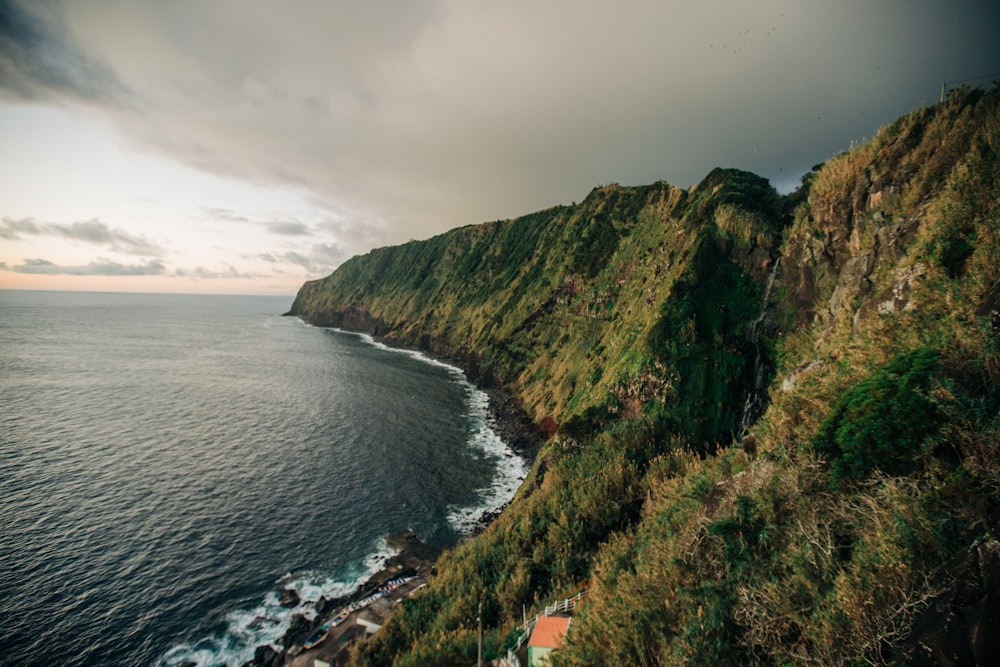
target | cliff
x=570, y=308
x=773, y=420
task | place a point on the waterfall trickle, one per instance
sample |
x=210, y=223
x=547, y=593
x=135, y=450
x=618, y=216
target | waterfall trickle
x=753, y=406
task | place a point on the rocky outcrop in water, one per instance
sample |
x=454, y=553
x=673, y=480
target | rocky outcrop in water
x=289, y=598
x=266, y=656
x=413, y=559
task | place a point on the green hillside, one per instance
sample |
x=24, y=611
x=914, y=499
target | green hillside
x=772, y=421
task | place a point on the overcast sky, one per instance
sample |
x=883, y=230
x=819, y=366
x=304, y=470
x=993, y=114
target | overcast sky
x=249, y=145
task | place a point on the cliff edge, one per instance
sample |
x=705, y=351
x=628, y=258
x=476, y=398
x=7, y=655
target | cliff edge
x=773, y=421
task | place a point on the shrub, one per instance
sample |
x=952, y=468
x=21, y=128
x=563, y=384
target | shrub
x=884, y=422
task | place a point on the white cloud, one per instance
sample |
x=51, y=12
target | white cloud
x=320, y=258
x=101, y=267
x=87, y=231
x=401, y=120
x=201, y=273
x=225, y=215
x=288, y=228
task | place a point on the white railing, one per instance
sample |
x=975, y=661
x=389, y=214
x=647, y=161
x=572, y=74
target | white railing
x=563, y=606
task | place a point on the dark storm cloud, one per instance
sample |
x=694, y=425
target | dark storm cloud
x=423, y=115
x=97, y=268
x=88, y=231
x=38, y=62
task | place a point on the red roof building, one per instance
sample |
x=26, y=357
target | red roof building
x=548, y=635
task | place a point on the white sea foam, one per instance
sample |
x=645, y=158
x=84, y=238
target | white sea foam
x=416, y=354
x=268, y=621
x=511, y=469
x=311, y=586
x=246, y=629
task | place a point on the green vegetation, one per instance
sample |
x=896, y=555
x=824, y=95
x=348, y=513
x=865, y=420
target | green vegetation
x=884, y=422
x=701, y=334
x=623, y=325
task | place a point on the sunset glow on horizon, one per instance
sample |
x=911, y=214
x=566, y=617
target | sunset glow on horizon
x=238, y=147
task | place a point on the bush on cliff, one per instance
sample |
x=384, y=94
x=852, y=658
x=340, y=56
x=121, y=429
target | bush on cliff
x=885, y=422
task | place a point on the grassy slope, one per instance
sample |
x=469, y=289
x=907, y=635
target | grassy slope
x=622, y=320
x=879, y=466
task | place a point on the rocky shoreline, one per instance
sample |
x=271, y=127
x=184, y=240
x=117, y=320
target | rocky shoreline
x=414, y=560
x=514, y=427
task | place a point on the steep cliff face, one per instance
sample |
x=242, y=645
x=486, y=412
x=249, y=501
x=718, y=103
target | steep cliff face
x=579, y=308
x=847, y=250
x=646, y=328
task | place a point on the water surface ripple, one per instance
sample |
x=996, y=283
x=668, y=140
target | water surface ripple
x=167, y=463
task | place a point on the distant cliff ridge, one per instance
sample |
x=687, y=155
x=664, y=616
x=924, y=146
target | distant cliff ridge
x=572, y=308
x=774, y=420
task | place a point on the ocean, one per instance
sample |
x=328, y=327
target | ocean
x=170, y=463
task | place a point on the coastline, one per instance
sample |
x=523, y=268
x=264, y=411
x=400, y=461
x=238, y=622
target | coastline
x=356, y=614
x=511, y=422
x=413, y=561
x=504, y=416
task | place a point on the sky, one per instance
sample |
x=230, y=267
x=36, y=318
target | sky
x=245, y=146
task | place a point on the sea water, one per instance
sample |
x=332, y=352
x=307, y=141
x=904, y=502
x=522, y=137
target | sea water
x=169, y=464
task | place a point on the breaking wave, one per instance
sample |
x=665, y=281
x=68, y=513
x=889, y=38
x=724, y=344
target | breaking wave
x=267, y=621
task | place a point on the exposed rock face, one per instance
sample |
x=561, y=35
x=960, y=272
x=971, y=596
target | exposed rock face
x=289, y=598
x=412, y=556
x=846, y=253
x=298, y=630
x=861, y=221
x=792, y=378
x=265, y=656
x=324, y=606
x=899, y=296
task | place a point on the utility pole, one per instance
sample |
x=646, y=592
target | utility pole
x=479, y=620
x=944, y=85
